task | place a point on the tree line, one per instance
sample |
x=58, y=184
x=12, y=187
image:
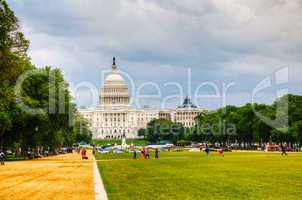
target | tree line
x=36, y=108
x=247, y=126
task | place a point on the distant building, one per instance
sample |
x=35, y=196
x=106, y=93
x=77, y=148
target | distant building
x=114, y=118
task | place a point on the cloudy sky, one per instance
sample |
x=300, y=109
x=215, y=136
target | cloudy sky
x=204, y=46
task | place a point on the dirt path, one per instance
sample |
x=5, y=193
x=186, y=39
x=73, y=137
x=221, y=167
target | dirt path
x=57, y=177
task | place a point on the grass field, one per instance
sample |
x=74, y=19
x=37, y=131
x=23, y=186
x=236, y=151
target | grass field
x=192, y=175
x=13, y=158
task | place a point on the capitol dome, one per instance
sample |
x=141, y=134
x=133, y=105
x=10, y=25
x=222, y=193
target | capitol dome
x=114, y=77
x=114, y=92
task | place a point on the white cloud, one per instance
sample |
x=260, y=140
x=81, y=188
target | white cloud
x=252, y=64
x=218, y=39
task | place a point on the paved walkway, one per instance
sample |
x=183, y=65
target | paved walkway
x=56, y=177
x=100, y=192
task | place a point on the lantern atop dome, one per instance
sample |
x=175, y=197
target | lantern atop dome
x=113, y=64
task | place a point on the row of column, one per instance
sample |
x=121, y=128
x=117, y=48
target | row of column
x=112, y=100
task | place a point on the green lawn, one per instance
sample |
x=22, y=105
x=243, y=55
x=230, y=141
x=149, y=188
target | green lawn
x=192, y=175
x=13, y=158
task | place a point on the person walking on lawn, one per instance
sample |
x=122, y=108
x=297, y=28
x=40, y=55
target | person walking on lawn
x=2, y=157
x=83, y=154
x=134, y=153
x=157, y=153
x=207, y=150
x=142, y=154
x=283, y=149
x=147, y=155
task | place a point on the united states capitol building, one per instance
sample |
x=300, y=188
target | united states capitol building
x=115, y=118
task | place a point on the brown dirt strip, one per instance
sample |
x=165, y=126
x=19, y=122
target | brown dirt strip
x=57, y=177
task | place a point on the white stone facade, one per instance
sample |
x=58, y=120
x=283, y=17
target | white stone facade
x=114, y=118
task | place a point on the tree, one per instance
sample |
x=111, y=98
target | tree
x=6, y=123
x=296, y=131
x=81, y=130
x=44, y=91
x=13, y=62
x=142, y=132
x=262, y=131
x=162, y=129
x=11, y=39
x=282, y=136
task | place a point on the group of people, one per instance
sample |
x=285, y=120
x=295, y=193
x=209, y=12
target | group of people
x=145, y=153
x=221, y=151
x=207, y=151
